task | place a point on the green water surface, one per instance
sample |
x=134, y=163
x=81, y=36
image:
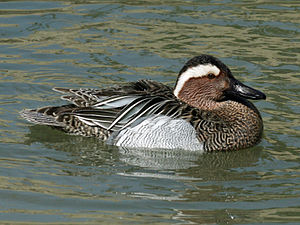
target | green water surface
x=49, y=177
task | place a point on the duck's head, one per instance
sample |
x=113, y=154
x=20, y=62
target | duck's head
x=205, y=80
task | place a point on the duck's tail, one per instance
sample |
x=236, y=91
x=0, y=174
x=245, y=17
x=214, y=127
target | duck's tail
x=36, y=117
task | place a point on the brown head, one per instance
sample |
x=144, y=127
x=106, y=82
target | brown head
x=204, y=81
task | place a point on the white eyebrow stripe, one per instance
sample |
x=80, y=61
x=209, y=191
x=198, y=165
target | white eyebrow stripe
x=193, y=72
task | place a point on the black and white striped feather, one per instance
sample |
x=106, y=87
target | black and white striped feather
x=111, y=109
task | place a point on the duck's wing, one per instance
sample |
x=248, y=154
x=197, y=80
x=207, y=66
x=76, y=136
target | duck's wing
x=110, y=109
x=117, y=112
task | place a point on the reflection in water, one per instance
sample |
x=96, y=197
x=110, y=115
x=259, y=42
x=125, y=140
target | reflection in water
x=218, y=179
x=93, y=152
x=159, y=158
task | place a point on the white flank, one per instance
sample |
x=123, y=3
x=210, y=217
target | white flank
x=197, y=71
x=159, y=132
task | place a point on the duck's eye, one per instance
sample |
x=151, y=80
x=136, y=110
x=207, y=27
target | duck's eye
x=211, y=76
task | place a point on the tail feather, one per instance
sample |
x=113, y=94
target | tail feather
x=33, y=116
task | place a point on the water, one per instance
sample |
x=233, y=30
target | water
x=50, y=177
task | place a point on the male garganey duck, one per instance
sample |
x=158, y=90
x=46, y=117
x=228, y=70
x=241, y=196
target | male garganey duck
x=206, y=111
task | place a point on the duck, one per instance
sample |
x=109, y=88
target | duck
x=207, y=110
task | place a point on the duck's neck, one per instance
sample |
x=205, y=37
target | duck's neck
x=241, y=124
x=199, y=101
x=205, y=104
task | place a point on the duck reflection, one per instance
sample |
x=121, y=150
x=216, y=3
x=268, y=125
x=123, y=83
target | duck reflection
x=92, y=152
